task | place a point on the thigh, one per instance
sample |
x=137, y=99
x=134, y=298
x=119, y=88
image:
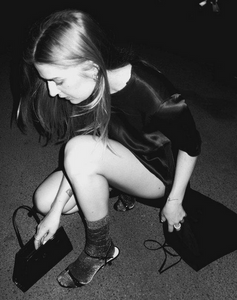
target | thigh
x=125, y=172
x=117, y=164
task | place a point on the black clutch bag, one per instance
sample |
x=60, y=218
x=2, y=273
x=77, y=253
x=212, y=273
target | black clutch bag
x=207, y=233
x=31, y=264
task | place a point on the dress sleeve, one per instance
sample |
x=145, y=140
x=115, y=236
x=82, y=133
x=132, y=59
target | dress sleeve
x=173, y=118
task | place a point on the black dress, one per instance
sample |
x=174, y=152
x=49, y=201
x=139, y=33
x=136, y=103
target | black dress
x=151, y=119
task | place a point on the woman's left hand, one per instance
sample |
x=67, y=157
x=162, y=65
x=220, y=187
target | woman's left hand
x=174, y=214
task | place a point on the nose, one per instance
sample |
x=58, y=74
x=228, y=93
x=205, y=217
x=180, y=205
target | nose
x=53, y=90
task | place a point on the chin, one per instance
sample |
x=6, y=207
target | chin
x=74, y=101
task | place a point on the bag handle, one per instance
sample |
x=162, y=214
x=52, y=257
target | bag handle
x=149, y=244
x=31, y=212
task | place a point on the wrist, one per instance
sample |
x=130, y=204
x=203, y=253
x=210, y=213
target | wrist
x=56, y=208
x=176, y=194
x=171, y=200
x=175, y=197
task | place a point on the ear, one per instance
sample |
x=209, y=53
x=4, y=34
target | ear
x=89, y=68
x=91, y=64
x=94, y=68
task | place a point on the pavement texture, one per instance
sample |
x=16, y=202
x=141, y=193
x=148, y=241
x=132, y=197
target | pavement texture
x=24, y=163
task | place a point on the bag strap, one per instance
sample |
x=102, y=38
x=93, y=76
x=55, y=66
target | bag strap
x=164, y=246
x=31, y=212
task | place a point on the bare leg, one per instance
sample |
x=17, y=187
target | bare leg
x=120, y=169
x=47, y=191
x=91, y=167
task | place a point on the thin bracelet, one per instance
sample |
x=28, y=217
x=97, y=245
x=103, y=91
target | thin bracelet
x=168, y=200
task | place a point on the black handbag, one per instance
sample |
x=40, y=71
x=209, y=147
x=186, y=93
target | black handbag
x=31, y=264
x=207, y=233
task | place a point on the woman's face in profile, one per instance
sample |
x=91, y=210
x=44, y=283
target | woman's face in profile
x=73, y=83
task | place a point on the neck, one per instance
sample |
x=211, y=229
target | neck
x=118, y=78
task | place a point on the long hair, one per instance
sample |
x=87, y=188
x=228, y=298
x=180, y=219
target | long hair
x=67, y=38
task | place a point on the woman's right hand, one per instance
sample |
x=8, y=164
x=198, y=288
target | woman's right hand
x=47, y=228
x=173, y=213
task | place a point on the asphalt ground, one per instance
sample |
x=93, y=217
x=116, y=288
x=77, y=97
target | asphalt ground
x=24, y=163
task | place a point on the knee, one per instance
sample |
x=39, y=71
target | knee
x=40, y=201
x=81, y=155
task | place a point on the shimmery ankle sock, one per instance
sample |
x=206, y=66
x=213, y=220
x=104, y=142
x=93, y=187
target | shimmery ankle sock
x=98, y=247
x=98, y=237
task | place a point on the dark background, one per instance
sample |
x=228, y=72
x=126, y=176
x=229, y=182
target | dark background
x=199, y=37
x=179, y=26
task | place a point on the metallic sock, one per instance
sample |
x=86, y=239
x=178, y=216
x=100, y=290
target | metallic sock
x=99, y=248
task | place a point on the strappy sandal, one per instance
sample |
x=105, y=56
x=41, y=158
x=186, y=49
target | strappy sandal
x=125, y=202
x=67, y=280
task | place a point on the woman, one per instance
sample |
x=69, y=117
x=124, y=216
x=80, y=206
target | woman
x=112, y=112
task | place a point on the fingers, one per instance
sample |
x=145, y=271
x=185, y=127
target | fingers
x=174, y=221
x=177, y=227
x=47, y=238
x=171, y=227
x=162, y=219
x=41, y=240
x=37, y=242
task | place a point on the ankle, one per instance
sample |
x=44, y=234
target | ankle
x=98, y=223
x=98, y=240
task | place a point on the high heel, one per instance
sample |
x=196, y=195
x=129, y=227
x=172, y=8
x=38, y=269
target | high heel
x=125, y=202
x=67, y=280
x=99, y=251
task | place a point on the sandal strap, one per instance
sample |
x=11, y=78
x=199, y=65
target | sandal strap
x=106, y=257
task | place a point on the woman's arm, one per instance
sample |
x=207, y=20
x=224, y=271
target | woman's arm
x=173, y=211
x=49, y=225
